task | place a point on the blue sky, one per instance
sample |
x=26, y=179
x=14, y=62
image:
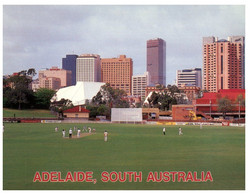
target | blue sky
x=40, y=36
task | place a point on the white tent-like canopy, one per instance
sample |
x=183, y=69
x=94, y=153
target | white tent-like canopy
x=78, y=93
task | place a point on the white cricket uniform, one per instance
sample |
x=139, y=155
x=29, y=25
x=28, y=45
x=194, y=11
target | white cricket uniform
x=180, y=131
x=70, y=133
x=105, y=136
x=63, y=133
x=78, y=132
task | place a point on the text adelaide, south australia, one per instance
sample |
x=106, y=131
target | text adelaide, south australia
x=127, y=176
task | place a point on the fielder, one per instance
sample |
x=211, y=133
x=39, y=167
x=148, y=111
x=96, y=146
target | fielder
x=56, y=129
x=200, y=125
x=105, y=136
x=63, y=133
x=70, y=133
x=164, y=131
x=78, y=132
x=180, y=131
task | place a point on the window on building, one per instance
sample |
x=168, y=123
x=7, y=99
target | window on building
x=221, y=64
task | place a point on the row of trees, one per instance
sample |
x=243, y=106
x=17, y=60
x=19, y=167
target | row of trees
x=225, y=104
x=105, y=99
x=166, y=97
x=109, y=97
x=18, y=94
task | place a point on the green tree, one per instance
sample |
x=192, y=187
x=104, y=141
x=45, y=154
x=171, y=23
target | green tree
x=103, y=110
x=224, y=105
x=173, y=89
x=163, y=101
x=110, y=97
x=31, y=72
x=43, y=97
x=153, y=100
x=160, y=87
x=18, y=94
x=240, y=100
x=92, y=111
x=60, y=106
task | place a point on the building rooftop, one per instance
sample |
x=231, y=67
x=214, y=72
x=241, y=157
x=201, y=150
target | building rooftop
x=77, y=109
x=222, y=40
x=78, y=93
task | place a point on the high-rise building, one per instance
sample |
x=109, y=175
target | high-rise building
x=223, y=63
x=156, y=61
x=241, y=40
x=69, y=63
x=50, y=83
x=88, y=68
x=189, y=77
x=118, y=72
x=139, y=84
x=55, y=72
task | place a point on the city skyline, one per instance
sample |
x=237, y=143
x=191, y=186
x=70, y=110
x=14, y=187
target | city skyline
x=42, y=35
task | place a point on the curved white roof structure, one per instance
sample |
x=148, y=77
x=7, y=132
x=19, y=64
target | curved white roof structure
x=78, y=93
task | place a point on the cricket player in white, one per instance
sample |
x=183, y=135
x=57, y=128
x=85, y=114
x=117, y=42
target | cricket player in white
x=78, y=132
x=70, y=133
x=180, y=131
x=89, y=130
x=164, y=131
x=56, y=129
x=200, y=125
x=63, y=133
x=105, y=136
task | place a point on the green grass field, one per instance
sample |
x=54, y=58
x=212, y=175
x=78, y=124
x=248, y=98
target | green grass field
x=28, y=113
x=28, y=148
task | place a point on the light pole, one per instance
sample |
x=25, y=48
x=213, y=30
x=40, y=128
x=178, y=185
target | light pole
x=210, y=107
x=239, y=109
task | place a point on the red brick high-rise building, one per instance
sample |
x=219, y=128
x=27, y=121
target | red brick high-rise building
x=223, y=63
x=118, y=72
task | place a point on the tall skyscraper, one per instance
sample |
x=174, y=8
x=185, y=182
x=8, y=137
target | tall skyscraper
x=156, y=61
x=189, y=77
x=118, y=72
x=139, y=84
x=241, y=40
x=69, y=63
x=223, y=63
x=88, y=68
